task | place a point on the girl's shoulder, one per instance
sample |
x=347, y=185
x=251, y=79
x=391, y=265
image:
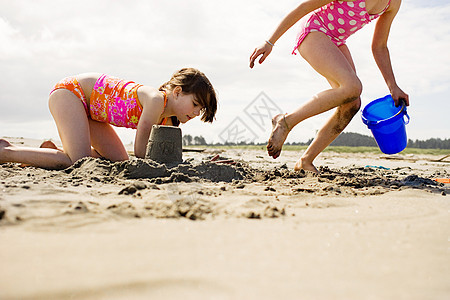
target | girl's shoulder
x=151, y=97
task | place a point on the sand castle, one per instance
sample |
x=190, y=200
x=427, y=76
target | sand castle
x=165, y=144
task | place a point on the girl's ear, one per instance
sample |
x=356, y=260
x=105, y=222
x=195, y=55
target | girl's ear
x=177, y=91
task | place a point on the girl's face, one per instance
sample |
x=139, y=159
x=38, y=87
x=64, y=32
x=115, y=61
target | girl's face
x=187, y=107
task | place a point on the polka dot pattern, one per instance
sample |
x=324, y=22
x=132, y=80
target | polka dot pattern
x=338, y=20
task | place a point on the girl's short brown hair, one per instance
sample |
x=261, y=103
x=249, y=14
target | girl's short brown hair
x=192, y=81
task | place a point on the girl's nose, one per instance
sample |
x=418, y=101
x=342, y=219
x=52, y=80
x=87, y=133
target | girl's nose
x=197, y=112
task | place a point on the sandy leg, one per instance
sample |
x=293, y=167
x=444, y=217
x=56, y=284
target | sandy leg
x=280, y=131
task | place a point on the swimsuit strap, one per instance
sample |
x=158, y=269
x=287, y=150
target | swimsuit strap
x=164, y=121
x=165, y=98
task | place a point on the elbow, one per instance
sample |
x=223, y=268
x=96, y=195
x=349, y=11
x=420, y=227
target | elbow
x=379, y=48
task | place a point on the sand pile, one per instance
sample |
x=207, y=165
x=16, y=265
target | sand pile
x=196, y=189
x=102, y=170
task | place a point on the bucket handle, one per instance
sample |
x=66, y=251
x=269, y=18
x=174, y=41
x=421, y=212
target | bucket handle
x=407, y=118
x=371, y=123
x=403, y=102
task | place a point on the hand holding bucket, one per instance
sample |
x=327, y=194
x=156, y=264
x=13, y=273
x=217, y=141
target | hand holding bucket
x=387, y=123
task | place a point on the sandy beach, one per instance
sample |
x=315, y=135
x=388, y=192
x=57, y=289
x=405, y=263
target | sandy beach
x=368, y=227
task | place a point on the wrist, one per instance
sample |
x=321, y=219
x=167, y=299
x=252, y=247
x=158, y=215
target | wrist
x=392, y=87
x=390, y=82
x=270, y=43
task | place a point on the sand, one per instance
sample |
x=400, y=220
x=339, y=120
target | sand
x=368, y=227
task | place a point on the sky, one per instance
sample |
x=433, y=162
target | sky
x=43, y=41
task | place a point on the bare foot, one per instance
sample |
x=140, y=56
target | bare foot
x=306, y=166
x=280, y=131
x=3, y=145
x=49, y=144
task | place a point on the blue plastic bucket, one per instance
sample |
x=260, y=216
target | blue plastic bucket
x=387, y=123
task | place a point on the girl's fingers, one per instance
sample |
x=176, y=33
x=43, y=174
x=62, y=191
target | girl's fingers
x=256, y=54
x=262, y=58
x=253, y=57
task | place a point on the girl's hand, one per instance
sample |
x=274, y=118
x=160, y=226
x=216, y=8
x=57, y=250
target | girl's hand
x=398, y=95
x=263, y=50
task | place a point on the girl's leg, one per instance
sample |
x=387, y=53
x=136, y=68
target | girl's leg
x=45, y=144
x=334, y=126
x=38, y=157
x=106, y=142
x=73, y=127
x=78, y=132
x=72, y=123
x=50, y=144
x=103, y=137
x=330, y=62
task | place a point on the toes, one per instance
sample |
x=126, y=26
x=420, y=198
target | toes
x=277, y=154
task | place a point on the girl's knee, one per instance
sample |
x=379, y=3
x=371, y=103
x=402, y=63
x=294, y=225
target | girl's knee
x=54, y=100
x=352, y=91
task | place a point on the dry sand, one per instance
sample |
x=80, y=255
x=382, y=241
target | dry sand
x=255, y=230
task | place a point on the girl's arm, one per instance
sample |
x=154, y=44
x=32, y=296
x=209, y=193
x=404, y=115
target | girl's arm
x=303, y=9
x=152, y=108
x=381, y=53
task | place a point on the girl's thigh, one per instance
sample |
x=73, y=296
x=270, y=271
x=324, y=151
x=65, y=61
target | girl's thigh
x=326, y=58
x=106, y=142
x=72, y=123
x=346, y=52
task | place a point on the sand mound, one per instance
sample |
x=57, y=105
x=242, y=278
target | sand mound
x=159, y=173
x=194, y=189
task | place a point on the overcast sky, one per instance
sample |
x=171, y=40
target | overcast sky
x=42, y=41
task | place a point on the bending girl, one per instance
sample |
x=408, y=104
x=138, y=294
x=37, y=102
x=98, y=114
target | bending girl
x=85, y=106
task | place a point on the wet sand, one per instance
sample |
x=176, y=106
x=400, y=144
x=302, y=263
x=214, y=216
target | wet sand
x=366, y=228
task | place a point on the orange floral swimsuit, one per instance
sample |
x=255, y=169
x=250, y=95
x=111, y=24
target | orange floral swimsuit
x=113, y=100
